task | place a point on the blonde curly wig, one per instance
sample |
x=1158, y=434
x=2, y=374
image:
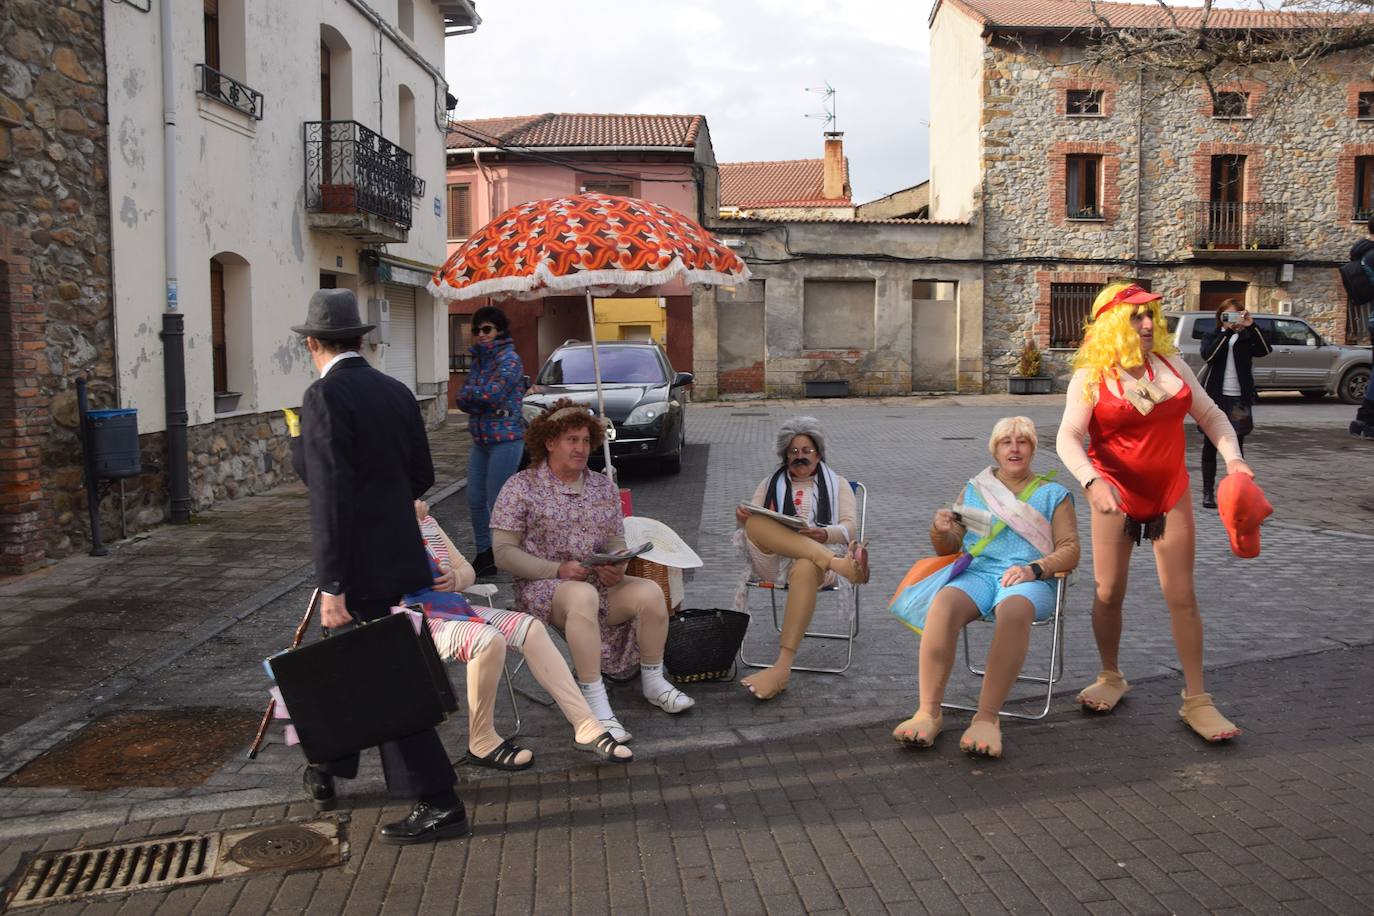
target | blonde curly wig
x=1109, y=342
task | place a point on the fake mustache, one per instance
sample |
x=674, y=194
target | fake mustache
x=801, y=462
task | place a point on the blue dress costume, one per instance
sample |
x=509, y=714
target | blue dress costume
x=982, y=581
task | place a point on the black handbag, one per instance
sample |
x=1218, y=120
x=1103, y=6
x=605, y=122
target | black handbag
x=362, y=686
x=702, y=644
x=1242, y=419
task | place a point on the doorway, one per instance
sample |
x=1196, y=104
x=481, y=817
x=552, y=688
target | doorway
x=1227, y=193
x=1215, y=292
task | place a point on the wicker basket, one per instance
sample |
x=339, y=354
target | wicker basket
x=703, y=643
x=656, y=573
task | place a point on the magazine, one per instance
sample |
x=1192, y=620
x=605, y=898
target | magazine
x=791, y=521
x=620, y=556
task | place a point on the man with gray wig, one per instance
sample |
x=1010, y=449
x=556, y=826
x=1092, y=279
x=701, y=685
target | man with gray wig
x=804, y=488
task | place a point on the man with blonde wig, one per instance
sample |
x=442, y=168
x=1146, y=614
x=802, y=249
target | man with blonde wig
x=805, y=488
x=1128, y=396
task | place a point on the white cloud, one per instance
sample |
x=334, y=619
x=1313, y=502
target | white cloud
x=744, y=64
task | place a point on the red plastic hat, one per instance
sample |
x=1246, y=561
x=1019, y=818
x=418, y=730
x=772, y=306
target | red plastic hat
x=1243, y=508
x=1131, y=295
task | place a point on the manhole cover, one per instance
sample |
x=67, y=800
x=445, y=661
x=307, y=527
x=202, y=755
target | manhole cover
x=166, y=747
x=279, y=847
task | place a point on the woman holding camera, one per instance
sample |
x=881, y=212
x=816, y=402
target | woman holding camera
x=1227, y=351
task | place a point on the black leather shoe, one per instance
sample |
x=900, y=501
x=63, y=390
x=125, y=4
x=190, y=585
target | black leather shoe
x=484, y=564
x=425, y=824
x=319, y=787
x=1209, y=499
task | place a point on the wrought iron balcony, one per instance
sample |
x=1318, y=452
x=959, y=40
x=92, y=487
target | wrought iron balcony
x=1256, y=229
x=215, y=85
x=357, y=182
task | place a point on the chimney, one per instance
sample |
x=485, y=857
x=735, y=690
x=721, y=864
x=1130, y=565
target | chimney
x=833, y=185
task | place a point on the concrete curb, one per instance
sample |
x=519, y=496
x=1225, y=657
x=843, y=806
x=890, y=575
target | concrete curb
x=118, y=815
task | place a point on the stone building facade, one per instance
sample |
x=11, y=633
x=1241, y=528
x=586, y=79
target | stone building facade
x=56, y=317
x=862, y=307
x=1086, y=174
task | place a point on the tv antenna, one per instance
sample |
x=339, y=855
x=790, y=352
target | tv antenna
x=827, y=93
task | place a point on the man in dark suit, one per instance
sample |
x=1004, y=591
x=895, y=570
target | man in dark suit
x=364, y=455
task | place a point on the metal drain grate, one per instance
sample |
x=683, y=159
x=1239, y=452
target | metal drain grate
x=52, y=878
x=121, y=868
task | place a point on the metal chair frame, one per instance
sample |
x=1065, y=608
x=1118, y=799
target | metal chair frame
x=861, y=492
x=1056, y=625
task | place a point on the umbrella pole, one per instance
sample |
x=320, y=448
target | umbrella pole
x=600, y=395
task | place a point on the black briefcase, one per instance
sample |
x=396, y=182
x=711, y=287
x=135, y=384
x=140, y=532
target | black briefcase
x=362, y=686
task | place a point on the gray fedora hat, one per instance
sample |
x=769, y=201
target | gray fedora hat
x=333, y=315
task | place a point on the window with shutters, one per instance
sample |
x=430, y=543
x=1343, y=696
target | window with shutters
x=1083, y=187
x=218, y=345
x=231, y=332
x=617, y=187
x=459, y=211
x=1364, y=188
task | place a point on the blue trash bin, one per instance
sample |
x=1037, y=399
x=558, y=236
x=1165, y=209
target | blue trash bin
x=112, y=437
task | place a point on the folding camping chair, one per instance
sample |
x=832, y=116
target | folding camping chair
x=486, y=590
x=1056, y=625
x=851, y=632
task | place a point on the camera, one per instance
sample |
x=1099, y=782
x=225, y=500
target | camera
x=1230, y=317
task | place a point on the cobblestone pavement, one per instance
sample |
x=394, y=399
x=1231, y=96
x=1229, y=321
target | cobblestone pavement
x=1119, y=814
x=1304, y=595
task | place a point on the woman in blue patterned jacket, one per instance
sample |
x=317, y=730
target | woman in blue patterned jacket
x=491, y=396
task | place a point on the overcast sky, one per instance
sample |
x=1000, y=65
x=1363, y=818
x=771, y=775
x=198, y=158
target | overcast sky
x=744, y=64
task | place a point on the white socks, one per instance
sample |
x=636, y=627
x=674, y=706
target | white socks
x=659, y=692
x=600, y=705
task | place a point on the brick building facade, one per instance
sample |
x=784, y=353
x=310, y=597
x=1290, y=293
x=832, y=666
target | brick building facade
x=1090, y=173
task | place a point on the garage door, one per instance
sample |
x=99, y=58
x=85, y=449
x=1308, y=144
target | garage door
x=400, y=353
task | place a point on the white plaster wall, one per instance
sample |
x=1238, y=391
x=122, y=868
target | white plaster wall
x=956, y=98
x=240, y=189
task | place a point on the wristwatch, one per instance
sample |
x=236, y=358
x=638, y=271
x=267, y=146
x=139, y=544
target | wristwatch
x=1038, y=570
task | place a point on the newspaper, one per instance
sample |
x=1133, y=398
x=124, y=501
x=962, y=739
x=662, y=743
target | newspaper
x=791, y=521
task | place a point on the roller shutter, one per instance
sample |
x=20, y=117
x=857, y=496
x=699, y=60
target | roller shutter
x=400, y=354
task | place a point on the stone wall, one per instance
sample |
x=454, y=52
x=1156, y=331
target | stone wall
x=1300, y=139
x=55, y=248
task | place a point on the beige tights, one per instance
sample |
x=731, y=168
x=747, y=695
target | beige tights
x=811, y=561
x=484, y=677
x=547, y=665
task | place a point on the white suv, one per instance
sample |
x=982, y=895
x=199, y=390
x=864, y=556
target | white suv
x=1301, y=361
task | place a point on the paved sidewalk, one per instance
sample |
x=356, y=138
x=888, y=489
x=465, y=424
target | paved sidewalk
x=204, y=647
x=88, y=621
x=1120, y=814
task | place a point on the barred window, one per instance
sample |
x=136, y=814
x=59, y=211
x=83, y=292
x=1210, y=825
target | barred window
x=459, y=211
x=1365, y=106
x=1230, y=104
x=1083, y=102
x=1069, y=305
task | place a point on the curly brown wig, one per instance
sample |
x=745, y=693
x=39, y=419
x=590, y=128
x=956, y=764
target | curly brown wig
x=546, y=427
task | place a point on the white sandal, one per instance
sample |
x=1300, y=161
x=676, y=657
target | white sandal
x=616, y=730
x=672, y=701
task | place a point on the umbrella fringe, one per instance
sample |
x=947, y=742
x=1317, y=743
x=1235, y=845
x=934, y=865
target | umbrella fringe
x=544, y=281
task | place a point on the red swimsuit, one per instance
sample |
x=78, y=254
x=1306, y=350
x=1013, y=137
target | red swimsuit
x=1141, y=454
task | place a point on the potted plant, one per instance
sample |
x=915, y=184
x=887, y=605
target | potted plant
x=1028, y=379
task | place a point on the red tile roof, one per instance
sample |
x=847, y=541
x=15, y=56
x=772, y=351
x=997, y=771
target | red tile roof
x=590, y=130
x=778, y=183
x=1079, y=14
